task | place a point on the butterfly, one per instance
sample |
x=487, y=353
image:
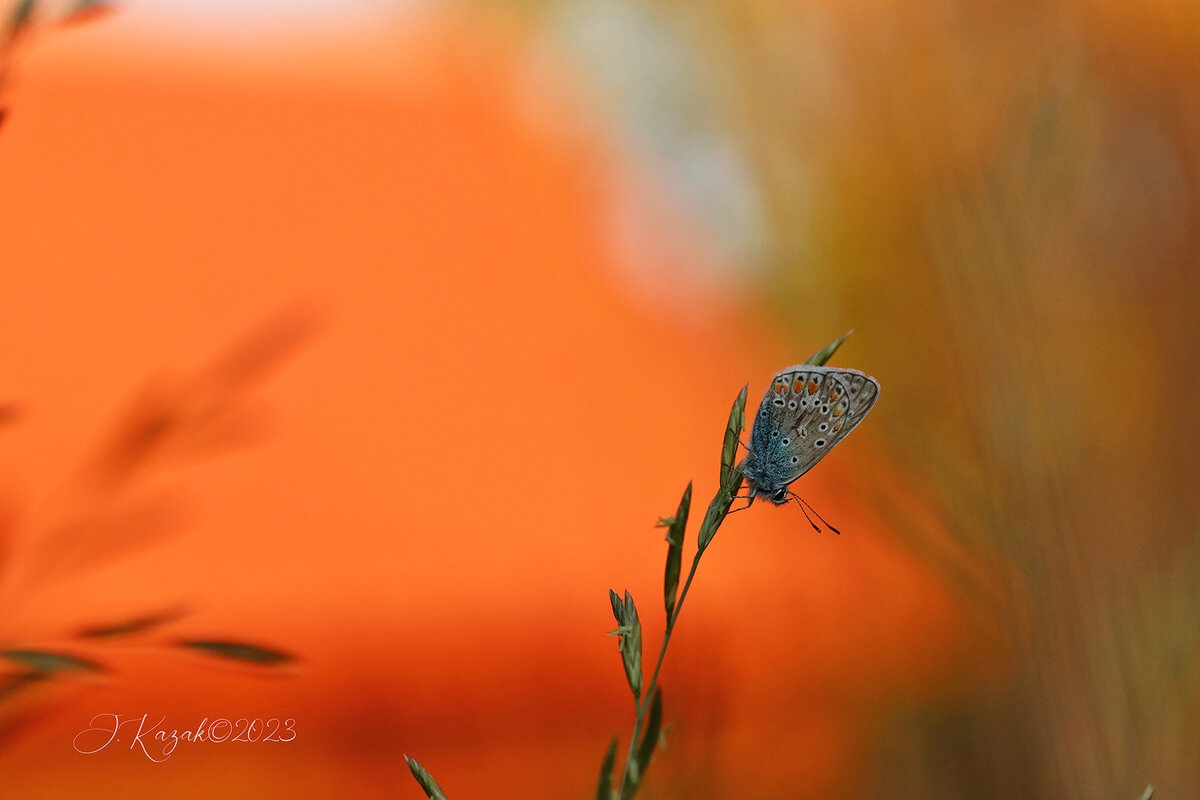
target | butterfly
x=806, y=411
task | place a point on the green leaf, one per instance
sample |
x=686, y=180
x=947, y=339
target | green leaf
x=432, y=790
x=677, y=527
x=43, y=661
x=130, y=626
x=650, y=737
x=819, y=358
x=733, y=435
x=618, y=607
x=718, y=509
x=239, y=651
x=731, y=476
x=636, y=770
x=631, y=647
x=604, y=787
x=630, y=631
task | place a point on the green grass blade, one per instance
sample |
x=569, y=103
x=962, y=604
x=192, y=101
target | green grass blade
x=650, y=737
x=631, y=647
x=677, y=526
x=618, y=607
x=718, y=509
x=636, y=771
x=432, y=790
x=604, y=787
x=43, y=661
x=733, y=435
x=819, y=358
x=731, y=476
x=629, y=629
x=239, y=651
x=130, y=626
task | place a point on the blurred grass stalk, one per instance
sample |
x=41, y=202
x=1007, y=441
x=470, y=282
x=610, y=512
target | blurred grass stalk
x=114, y=507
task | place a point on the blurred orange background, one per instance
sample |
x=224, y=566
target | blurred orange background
x=465, y=402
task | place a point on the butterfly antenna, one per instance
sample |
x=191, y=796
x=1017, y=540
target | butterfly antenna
x=804, y=503
x=806, y=516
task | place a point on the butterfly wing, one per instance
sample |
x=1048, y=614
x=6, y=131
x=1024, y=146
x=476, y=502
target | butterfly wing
x=806, y=411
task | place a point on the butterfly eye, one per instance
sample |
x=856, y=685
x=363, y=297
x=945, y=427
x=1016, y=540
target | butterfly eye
x=780, y=496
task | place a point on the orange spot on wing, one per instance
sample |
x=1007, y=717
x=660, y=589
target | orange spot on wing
x=812, y=387
x=837, y=412
x=838, y=426
x=780, y=388
x=833, y=397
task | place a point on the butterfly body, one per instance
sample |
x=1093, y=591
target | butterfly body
x=806, y=411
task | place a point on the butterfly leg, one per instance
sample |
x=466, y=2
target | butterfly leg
x=749, y=498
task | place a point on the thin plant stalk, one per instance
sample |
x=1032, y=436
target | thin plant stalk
x=644, y=703
x=648, y=704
